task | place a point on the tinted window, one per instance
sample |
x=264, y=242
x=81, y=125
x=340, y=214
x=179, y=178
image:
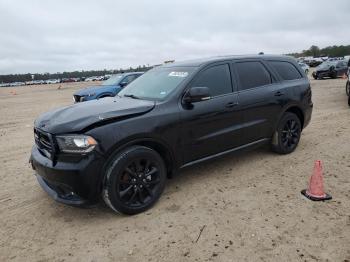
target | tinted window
x=286, y=70
x=252, y=74
x=216, y=78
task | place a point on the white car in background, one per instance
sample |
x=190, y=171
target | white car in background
x=52, y=81
x=305, y=67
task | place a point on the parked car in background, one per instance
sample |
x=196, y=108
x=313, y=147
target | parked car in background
x=68, y=80
x=305, y=67
x=52, y=81
x=172, y=117
x=333, y=69
x=347, y=86
x=314, y=61
x=109, y=88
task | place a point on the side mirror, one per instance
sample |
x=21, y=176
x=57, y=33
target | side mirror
x=196, y=94
x=122, y=84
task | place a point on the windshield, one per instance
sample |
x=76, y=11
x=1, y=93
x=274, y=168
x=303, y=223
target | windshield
x=113, y=80
x=327, y=64
x=157, y=83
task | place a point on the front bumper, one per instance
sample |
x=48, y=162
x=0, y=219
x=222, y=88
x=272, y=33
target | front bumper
x=70, y=181
x=60, y=195
x=320, y=74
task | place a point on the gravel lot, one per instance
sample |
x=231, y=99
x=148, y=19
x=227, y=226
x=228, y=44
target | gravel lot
x=248, y=206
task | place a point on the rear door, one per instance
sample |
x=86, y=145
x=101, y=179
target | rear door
x=258, y=96
x=211, y=126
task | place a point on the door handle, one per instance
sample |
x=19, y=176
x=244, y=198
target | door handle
x=231, y=104
x=279, y=93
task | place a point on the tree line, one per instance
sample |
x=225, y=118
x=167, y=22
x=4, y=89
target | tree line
x=10, y=78
x=331, y=51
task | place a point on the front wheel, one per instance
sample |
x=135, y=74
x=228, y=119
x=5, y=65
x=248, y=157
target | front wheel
x=287, y=134
x=347, y=88
x=134, y=180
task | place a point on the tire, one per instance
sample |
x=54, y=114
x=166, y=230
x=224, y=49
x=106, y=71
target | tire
x=349, y=100
x=287, y=134
x=347, y=88
x=134, y=180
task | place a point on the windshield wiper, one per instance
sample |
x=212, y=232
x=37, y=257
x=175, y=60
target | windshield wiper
x=132, y=96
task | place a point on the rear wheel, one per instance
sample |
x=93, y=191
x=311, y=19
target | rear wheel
x=134, y=180
x=287, y=135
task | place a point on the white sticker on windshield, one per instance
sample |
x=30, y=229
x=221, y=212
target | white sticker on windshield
x=178, y=74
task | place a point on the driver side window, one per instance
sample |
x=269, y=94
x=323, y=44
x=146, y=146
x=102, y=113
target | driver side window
x=216, y=78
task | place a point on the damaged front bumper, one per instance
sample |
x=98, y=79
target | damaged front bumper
x=73, y=182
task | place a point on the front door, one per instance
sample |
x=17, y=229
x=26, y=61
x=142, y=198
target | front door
x=211, y=126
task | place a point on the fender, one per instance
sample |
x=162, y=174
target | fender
x=137, y=141
x=285, y=109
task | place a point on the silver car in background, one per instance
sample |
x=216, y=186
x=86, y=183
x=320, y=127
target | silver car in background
x=305, y=67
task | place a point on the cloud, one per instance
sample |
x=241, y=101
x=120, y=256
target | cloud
x=52, y=36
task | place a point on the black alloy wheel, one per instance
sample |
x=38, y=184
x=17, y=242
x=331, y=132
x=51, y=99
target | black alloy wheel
x=290, y=134
x=287, y=135
x=134, y=180
x=138, y=183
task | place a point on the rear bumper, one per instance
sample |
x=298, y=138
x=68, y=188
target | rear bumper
x=72, y=182
x=307, y=114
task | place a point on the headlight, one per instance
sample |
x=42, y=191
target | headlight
x=76, y=143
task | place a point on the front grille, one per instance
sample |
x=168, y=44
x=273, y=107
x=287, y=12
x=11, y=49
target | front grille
x=44, y=142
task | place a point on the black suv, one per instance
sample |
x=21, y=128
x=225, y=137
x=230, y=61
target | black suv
x=173, y=116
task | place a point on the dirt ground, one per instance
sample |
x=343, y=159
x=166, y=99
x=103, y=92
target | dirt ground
x=248, y=206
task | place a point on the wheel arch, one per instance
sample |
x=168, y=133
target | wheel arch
x=297, y=111
x=157, y=145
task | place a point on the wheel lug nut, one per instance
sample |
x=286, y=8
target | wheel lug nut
x=140, y=186
x=144, y=180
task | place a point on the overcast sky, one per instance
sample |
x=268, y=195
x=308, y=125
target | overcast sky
x=65, y=35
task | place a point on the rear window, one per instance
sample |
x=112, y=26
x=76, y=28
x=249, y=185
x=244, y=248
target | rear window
x=252, y=74
x=286, y=70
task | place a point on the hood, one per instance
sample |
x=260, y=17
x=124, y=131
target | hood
x=76, y=117
x=93, y=89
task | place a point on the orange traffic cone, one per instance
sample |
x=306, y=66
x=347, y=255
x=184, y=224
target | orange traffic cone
x=316, y=191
